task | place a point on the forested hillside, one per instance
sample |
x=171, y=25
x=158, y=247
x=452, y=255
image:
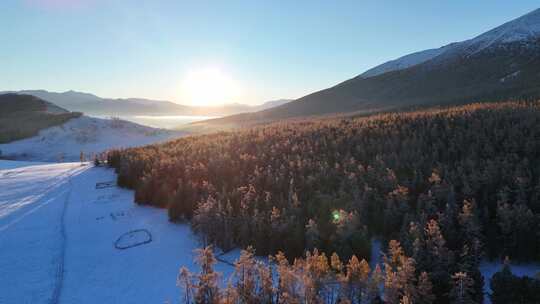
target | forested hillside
x=23, y=116
x=452, y=185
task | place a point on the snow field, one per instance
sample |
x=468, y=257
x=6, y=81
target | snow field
x=38, y=265
x=87, y=134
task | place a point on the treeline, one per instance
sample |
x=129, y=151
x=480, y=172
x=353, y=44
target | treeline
x=453, y=185
x=318, y=278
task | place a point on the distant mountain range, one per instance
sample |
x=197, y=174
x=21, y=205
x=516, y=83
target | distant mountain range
x=499, y=64
x=93, y=105
x=34, y=129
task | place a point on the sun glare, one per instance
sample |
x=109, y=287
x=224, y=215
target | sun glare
x=209, y=87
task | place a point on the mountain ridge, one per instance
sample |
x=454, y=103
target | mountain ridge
x=478, y=69
x=521, y=28
x=94, y=105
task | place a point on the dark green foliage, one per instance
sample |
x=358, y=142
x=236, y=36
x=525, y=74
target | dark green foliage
x=23, y=116
x=508, y=288
x=451, y=184
x=383, y=171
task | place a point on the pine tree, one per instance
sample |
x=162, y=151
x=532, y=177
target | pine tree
x=336, y=264
x=289, y=288
x=407, y=278
x=400, y=274
x=405, y=300
x=469, y=263
x=469, y=222
x=437, y=260
x=395, y=254
x=391, y=285
x=424, y=290
x=372, y=290
x=312, y=235
x=462, y=290
x=316, y=274
x=205, y=219
x=206, y=290
x=230, y=295
x=356, y=278
x=185, y=282
x=502, y=285
x=246, y=277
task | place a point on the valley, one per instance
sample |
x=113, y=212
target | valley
x=246, y=152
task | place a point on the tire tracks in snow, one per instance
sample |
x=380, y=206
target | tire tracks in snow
x=52, y=187
x=59, y=277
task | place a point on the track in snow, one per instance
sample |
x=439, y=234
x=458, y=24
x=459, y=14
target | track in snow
x=60, y=271
x=58, y=240
x=32, y=201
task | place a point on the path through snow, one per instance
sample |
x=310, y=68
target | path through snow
x=57, y=235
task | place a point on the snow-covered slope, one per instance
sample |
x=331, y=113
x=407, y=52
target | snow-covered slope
x=524, y=28
x=86, y=134
x=58, y=233
x=10, y=164
x=405, y=62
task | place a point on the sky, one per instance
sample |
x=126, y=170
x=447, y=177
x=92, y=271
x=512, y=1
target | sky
x=209, y=52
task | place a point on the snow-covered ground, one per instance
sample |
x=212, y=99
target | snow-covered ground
x=9, y=164
x=376, y=253
x=58, y=235
x=86, y=134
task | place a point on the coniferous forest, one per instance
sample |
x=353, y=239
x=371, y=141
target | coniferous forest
x=442, y=187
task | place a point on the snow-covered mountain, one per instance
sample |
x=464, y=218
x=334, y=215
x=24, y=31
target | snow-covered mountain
x=523, y=29
x=405, y=61
x=86, y=134
x=503, y=63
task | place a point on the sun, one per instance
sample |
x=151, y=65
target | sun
x=209, y=87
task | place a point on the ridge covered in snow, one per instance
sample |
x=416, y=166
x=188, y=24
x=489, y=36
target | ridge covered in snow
x=84, y=134
x=405, y=62
x=524, y=28
x=521, y=29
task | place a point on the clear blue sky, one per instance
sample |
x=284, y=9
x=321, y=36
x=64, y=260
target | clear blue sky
x=270, y=49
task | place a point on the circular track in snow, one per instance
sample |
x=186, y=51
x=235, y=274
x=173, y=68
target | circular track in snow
x=133, y=238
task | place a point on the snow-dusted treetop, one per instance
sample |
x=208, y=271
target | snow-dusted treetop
x=524, y=28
